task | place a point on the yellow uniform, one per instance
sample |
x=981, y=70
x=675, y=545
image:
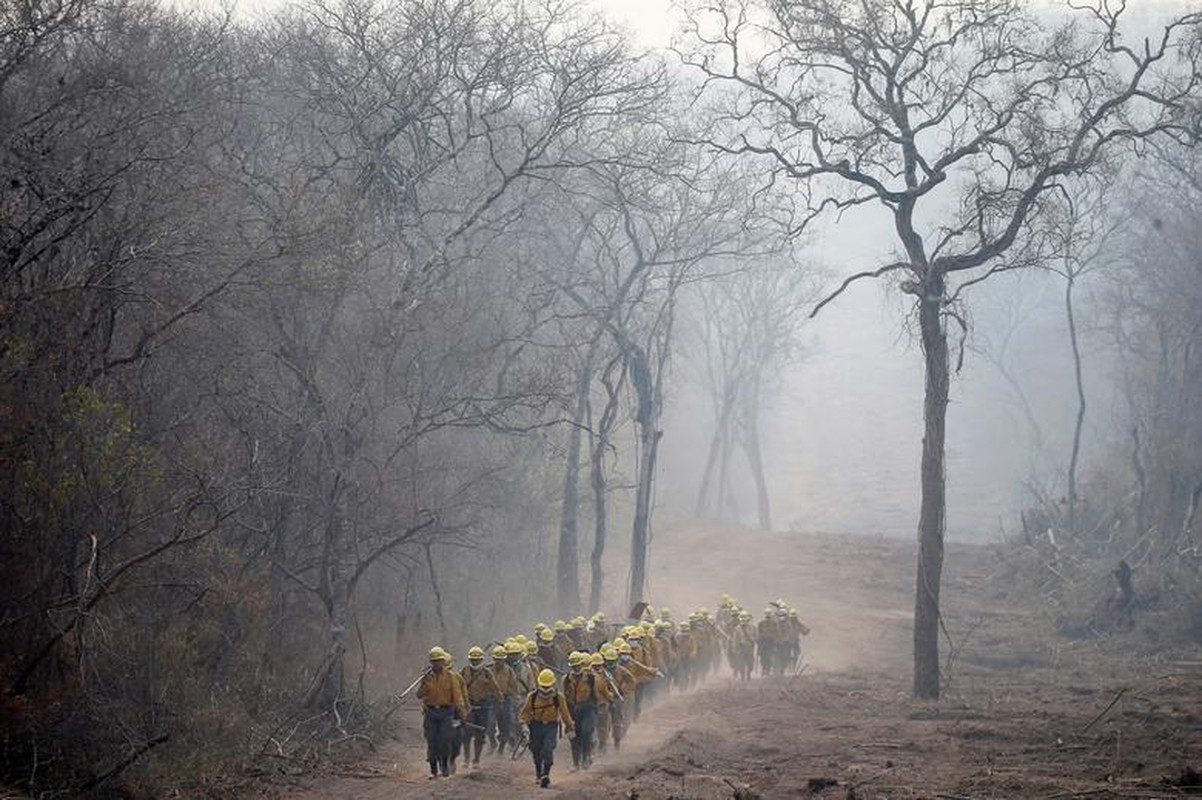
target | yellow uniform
x=546, y=708
x=442, y=690
x=586, y=687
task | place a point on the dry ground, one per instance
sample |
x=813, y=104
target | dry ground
x=1024, y=714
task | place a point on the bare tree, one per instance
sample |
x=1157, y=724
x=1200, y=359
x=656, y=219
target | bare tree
x=956, y=118
x=1153, y=303
x=1082, y=232
x=747, y=321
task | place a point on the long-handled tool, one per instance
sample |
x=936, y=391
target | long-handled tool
x=413, y=685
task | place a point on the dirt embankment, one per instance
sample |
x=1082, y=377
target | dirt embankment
x=1024, y=715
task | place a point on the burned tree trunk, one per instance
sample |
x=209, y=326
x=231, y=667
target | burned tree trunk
x=933, y=509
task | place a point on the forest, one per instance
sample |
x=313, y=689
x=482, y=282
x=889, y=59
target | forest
x=352, y=327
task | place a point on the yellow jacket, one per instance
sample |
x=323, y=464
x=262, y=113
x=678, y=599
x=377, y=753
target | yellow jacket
x=508, y=680
x=481, y=685
x=545, y=708
x=624, y=679
x=585, y=688
x=442, y=690
x=642, y=672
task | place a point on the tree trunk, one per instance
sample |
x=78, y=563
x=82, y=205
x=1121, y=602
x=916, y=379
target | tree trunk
x=711, y=459
x=567, y=568
x=727, y=508
x=717, y=443
x=645, y=417
x=597, y=577
x=599, y=443
x=1071, y=521
x=932, y=516
x=751, y=446
x=328, y=681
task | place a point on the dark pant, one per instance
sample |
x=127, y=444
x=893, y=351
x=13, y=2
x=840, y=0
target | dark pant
x=439, y=734
x=474, y=733
x=585, y=717
x=543, y=738
x=617, y=720
x=505, y=731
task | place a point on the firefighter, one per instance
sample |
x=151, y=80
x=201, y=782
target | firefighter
x=543, y=711
x=532, y=665
x=797, y=629
x=623, y=684
x=513, y=689
x=765, y=641
x=442, y=699
x=562, y=645
x=548, y=652
x=686, y=652
x=584, y=691
x=741, y=649
x=461, y=714
x=641, y=655
x=483, y=696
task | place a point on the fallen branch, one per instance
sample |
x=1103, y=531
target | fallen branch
x=125, y=762
x=1094, y=721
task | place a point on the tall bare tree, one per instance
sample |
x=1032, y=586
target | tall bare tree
x=955, y=118
x=747, y=321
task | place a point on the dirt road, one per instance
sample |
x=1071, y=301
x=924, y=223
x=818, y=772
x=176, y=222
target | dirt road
x=1024, y=715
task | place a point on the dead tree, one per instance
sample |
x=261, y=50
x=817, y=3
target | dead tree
x=956, y=119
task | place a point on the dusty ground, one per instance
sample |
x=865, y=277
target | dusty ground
x=1024, y=714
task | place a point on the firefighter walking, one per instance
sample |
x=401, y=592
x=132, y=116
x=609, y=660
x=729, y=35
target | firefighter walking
x=544, y=711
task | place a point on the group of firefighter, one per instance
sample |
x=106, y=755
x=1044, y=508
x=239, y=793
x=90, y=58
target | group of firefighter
x=589, y=679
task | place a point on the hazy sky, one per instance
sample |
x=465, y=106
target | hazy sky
x=649, y=20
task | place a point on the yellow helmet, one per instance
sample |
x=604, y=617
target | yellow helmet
x=546, y=679
x=516, y=648
x=475, y=654
x=599, y=617
x=576, y=658
x=438, y=654
x=499, y=652
x=619, y=641
x=531, y=648
x=560, y=626
x=646, y=625
x=596, y=659
x=547, y=635
x=610, y=653
x=538, y=626
x=635, y=634
x=520, y=639
x=625, y=649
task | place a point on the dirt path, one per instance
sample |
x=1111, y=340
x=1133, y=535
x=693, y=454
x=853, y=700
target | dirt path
x=1024, y=715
